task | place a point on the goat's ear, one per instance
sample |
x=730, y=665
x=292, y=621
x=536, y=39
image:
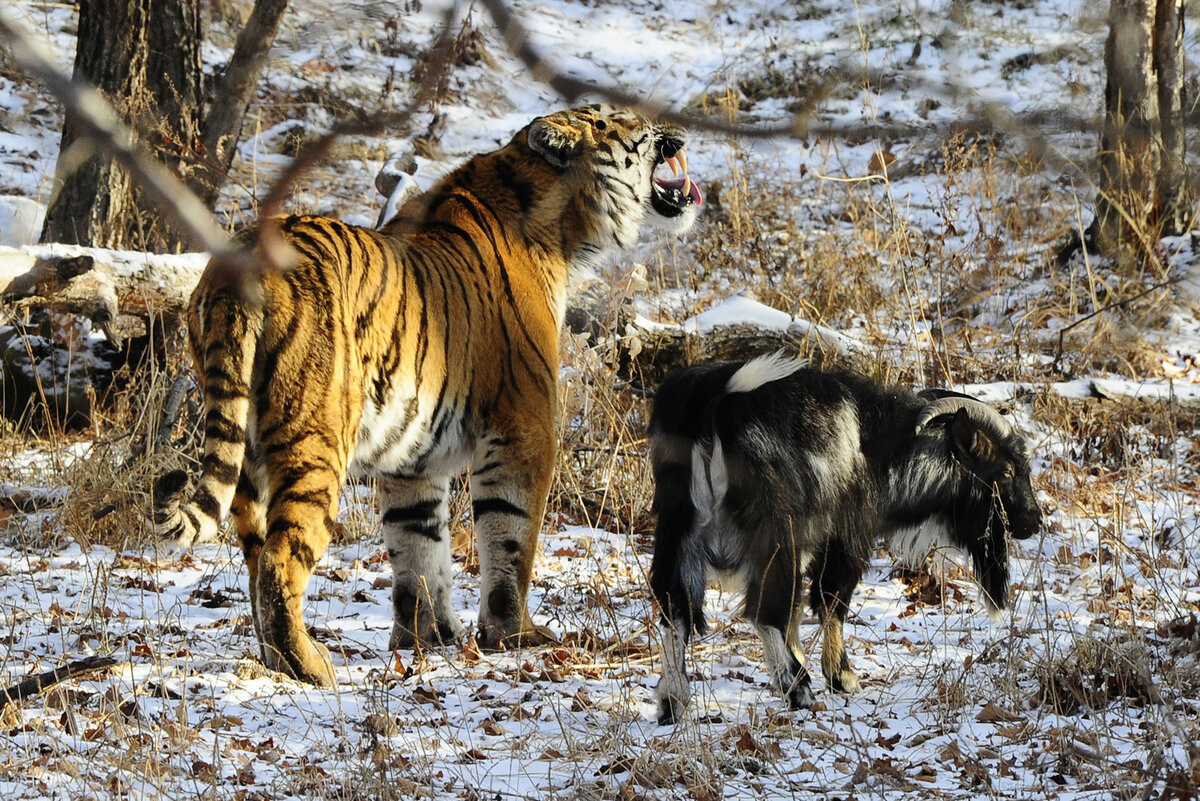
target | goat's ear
x=557, y=141
x=969, y=440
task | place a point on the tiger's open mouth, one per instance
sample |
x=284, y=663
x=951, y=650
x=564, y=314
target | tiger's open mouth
x=671, y=196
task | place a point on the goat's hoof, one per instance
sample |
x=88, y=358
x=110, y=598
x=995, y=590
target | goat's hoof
x=845, y=682
x=801, y=696
x=669, y=710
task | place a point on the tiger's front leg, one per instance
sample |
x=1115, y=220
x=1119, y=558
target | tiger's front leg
x=510, y=479
x=416, y=533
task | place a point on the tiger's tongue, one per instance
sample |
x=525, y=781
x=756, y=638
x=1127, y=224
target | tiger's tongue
x=685, y=185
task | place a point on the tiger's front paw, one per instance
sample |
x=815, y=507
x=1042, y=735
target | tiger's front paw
x=434, y=633
x=491, y=638
x=421, y=620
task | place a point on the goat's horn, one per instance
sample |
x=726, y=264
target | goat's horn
x=977, y=410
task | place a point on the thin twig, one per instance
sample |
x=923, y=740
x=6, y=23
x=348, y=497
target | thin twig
x=1115, y=305
x=440, y=65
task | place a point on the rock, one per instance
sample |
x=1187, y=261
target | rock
x=52, y=374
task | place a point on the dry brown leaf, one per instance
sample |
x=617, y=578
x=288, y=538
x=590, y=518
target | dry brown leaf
x=992, y=713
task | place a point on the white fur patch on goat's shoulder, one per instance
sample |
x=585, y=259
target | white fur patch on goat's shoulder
x=763, y=370
x=914, y=543
x=835, y=465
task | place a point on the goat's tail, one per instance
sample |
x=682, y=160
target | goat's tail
x=710, y=479
x=710, y=473
x=763, y=370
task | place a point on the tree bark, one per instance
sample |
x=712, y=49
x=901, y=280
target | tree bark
x=1129, y=145
x=1173, y=197
x=1142, y=187
x=144, y=56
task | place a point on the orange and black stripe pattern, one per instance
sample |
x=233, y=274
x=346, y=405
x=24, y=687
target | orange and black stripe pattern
x=410, y=353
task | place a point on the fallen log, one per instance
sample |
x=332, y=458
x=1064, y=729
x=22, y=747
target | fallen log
x=99, y=284
x=643, y=351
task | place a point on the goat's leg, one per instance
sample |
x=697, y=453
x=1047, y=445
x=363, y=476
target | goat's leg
x=677, y=579
x=786, y=669
x=677, y=571
x=673, y=692
x=771, y=600
x=835, y=574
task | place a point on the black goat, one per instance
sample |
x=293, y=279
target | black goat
x=772, y=471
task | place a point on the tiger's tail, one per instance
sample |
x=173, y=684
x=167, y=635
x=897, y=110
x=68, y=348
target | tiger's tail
x=225, y=367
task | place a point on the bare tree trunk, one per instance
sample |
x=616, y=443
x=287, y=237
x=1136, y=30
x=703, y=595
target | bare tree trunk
x=1130, y=146
x=233, y=94
x=1174, y=209
x=144, y=55
x=1141, y=193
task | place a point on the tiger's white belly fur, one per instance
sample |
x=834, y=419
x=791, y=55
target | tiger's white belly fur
x=397, y=438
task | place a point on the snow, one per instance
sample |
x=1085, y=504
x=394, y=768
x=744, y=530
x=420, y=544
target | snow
x=949, y=706
x=20, y=220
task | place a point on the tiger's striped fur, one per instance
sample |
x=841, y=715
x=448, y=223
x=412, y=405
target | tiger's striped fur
x=411, y=352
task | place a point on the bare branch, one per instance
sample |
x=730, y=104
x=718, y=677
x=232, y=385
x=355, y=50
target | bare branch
x=236, y=89
x=41, y=682
x=108, y=133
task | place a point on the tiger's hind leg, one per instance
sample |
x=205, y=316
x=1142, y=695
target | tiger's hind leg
x=510, y=479
x=305, y=479
x=416, y=533
x=249, y=512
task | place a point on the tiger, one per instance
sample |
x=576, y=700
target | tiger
x=412, y=353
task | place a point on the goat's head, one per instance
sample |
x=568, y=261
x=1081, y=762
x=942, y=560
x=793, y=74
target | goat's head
x=994, y=498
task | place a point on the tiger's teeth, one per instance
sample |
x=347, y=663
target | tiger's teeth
x=673, y=163
x=687, y=186
x=682, y=159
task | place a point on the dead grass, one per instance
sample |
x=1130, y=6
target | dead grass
x=958, y=291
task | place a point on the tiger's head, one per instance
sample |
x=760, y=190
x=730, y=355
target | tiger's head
x=607, y=158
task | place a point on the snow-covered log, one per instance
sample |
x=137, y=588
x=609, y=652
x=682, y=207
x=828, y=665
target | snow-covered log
x=98, y=284
x=738, y=329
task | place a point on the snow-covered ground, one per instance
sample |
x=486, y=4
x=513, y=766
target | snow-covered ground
x=953, y=704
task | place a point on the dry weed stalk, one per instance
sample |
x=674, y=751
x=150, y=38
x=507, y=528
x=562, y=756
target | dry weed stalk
x=933, y=314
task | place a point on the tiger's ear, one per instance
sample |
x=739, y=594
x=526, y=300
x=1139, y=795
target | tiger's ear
x=557, y=143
